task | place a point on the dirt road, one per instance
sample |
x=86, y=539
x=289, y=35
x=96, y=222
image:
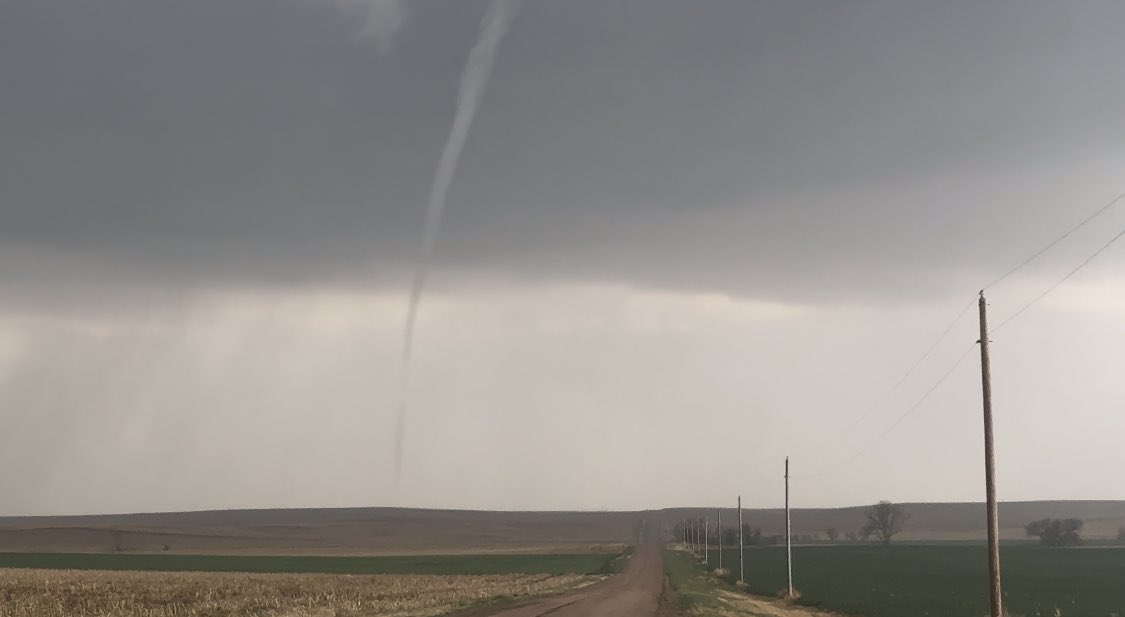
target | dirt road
x=636, y=592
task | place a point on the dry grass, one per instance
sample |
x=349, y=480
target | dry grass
x=741, y=604
x=59, y=593
x=784, y=594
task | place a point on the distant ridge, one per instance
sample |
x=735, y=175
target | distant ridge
x=430, y=531
x=272, y=516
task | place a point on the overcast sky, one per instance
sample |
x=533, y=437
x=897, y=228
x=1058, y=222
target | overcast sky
x=685, y=239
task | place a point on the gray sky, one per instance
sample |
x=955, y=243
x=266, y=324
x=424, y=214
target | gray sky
x=685, y=239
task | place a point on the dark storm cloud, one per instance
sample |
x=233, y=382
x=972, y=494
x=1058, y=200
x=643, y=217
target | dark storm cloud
x=727, y=145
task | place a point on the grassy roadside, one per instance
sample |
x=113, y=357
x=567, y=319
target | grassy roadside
x=696, y=591
x=618, y=563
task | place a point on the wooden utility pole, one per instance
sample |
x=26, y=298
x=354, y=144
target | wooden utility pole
x=788, y=532
x=741, y=544
x=706, y=540
x=989, y=466
x=719, y=531
x=699, y=537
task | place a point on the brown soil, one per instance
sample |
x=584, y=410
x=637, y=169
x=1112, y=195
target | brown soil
x=668, y=601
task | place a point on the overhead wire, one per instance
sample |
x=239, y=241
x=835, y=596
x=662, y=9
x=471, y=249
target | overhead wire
x=898, y=384
x=1023, y=264
x=902, y=418
x=1058, y=283
x=1050, y=245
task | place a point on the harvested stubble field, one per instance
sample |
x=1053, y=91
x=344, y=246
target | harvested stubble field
x=66, y=593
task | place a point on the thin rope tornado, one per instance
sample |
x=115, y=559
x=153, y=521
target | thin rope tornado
x=474, y=79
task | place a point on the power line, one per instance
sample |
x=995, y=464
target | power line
x=909, y=412
x=882, y=399
x=1055, y=242
x=1055, y=286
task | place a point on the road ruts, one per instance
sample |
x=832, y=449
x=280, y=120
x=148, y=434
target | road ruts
x=635, y=592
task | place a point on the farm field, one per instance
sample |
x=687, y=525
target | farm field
x=54, y=593
x=410, y=564
x=346, y=531
x=876, y=581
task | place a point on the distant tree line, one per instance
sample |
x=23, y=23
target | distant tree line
x=883, y=521
x=1057, y=531
x=751, y=536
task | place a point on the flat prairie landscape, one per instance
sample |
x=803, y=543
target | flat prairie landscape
x=402, y=531
x=428, y=562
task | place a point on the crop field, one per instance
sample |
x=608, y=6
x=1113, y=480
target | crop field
x=455, y=564
x=943, y=581
x=55, y=593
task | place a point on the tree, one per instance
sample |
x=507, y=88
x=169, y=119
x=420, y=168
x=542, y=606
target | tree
x=851, y=536
x=1056, y=531
x=730, y=537
x=1121, y=534
x=832, y=534
x=884, y=520
x=751, y=536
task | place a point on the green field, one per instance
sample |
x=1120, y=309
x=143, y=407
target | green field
x=459, y=564
x=944, y=581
